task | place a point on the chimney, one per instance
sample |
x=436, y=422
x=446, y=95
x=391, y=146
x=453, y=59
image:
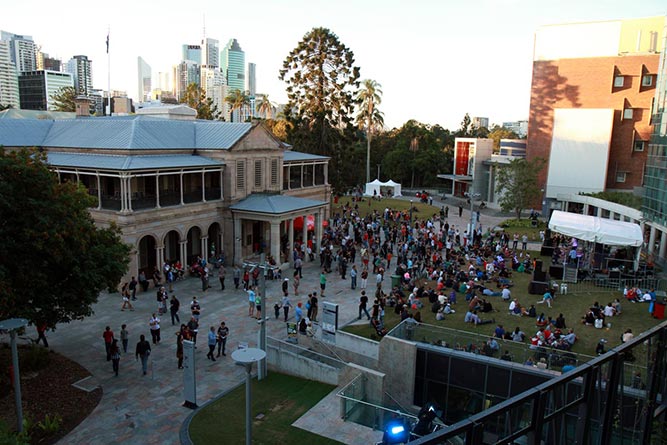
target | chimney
x=82, y=106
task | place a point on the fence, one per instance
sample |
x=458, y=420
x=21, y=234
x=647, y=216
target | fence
x=613, y=282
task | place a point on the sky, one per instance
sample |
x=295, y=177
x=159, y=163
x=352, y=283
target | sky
x=435, y=59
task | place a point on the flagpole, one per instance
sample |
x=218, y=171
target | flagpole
x=108, y=74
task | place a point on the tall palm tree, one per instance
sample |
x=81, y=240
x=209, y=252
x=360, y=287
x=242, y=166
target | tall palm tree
x=369, y=117
x=238, y=100
x=265, y=107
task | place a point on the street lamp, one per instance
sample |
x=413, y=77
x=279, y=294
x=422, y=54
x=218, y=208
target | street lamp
x=472, y=196
x=247, y=357
x=13, y=325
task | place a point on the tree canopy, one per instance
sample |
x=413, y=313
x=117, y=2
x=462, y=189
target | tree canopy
x=195, y=98
x=497, y=133
x=321, y=82
x=63, y=99
x=54, y=261
x=517, y=185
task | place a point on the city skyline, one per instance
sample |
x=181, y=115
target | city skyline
x=437, y=48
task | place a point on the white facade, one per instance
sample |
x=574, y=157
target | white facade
x=9, y=81
x=144, y=78
x=53, y=81
x=213, y=84
x=23, y=51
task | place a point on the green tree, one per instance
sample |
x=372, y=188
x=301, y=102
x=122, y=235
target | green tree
x=497, y=133
x=63, y=99
x=53, y=260
x=369, y=117
x=238, y=100
x=517, y=183
x=195, y=98
x=466, y=129
x=321, y=82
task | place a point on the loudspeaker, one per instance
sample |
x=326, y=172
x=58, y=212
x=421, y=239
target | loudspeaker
x=539, y=275
x=556, y=272
x=538, y=265
x=546, y=250
x=538, y=287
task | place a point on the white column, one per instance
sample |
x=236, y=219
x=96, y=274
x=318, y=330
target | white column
x=586, y=209
x=598, y=212
x=129, y=193
x=304, y=231
x=157, y=193
x=159, y=257
x=122, y=194
x=238, y=236
x=99, y=192
x=289, y=225
x=204, y=247
x=611, y=215
x=183, y=254
x=651, y=239
x=275, y=240
x=663, y=245
x=203, y=189
x=180, y=176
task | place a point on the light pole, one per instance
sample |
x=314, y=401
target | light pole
x=13, y=325
x=261, y=368
x=247, y=357
x=472, y=196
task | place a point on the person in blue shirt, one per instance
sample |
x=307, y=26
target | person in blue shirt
x=212, y=342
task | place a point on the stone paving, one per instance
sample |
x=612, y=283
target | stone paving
x=140, y=409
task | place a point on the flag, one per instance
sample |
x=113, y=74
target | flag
x=107, y=43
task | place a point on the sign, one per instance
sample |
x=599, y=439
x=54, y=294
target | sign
x=329, y=322
x=189, y=379
x=292, y=334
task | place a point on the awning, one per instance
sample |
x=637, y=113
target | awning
x=274, y=204
x=599, y=230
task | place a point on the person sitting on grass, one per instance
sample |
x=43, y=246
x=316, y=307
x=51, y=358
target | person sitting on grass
x=474, y=319
x=541, y=320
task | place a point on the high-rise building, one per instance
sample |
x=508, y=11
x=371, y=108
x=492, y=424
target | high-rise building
x=213, y=85
x=22, y=50
x=252, y=80
x=185, y=73
x=191, y=53
x=233, y=65
x=44, y=62
x=210, y=53
x=81, y=69
x=519, y=127
x=36, y=88
x=164, y=81
x=592, y=89
x=480, y=122
x=144, y=80
x=9, y=82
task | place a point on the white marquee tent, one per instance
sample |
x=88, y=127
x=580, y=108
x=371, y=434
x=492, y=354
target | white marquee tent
x=595, y=229
x=377, y=186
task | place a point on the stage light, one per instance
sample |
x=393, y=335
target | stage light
x=395, y=433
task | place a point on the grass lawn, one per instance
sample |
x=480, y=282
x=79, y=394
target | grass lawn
x=281, y=398
x=573, y=306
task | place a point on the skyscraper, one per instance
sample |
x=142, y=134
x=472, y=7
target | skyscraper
x=252, y=82
x=185, y=73
x=22, y=51
x=36, y=88
x=145, y=80
x=191, y=53
x=44, y=62
x=210, y=53
x=233, y=65
x=9, y=83
x=81, y=70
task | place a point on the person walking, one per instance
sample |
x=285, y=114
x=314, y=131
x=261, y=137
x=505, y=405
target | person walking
x=125, y=293
x=460, y=211
x=124, y=337
x=364, y=278
x=237, y=276
x=285, y=304
x=363, y=303
x=353, y=277
x=107, y=335
x=179, y=347
x=41, y=334
x=115, y=356
x=298, y=266
x=174, y=306
x=258, y=305
x=323, y=283
x=285, y=286
x=251, y=302
x=221, y=277
x=296, y=282
x=195, y=308
x=193, y=329
x=155, y=328
x=223, y=333
x=212, y=341
x=313, y=307
x=143, y=351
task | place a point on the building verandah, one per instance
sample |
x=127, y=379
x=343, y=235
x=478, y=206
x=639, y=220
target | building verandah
x=266, y=224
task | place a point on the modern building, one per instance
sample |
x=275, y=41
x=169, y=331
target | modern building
x=145, y=80
x=252, y=79
x=185, y=73
x=480, y=122
x=591, y=99
x=470, y=174
x=44, y=62
x=81, y=69
x=211, y=53
x=519, y=127
x=37, y=88
x=213, y=84
x=232, y=62
x=179, y=188
x=191, y=53
x=22, y=50
x=9, y=80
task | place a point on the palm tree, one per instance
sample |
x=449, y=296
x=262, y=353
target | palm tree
x=238, y=100
x=265, y=107
x=369, y=117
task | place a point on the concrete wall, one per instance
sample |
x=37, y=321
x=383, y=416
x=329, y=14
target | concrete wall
x=357, y=345
x=398, y=361
x=295, y=364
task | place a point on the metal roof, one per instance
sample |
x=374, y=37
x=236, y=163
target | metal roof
x=291, y=156
x=122, y=132
x=274, y=204
x=13, y=113
x=118, y=162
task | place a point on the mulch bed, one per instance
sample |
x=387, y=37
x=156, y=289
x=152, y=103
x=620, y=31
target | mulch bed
x=46, y=391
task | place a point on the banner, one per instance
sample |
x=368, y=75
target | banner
x=292, y=334
x=329, y=322
x=189, y=378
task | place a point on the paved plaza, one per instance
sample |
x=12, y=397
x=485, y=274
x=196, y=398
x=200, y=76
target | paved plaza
x=147, y=409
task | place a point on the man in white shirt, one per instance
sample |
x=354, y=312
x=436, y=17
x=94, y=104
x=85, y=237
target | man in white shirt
x=506, y=294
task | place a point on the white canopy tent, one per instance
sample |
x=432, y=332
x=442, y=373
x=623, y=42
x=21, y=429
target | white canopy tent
x=377, y=186
x=595, y=229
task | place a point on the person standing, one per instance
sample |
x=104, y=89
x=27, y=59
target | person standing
x=296, y=282
x=298, y=266
x=143, y=281
x=133, y=288
x=237, y=276
x=115, y=356
x=155, y=328
x=195, y=309
x=221, y=277
x=179, y=347
x=446, y=212
x=285, y=286
x=313, y=307
x=204, y=279
x=353, y=277
x=258, y=305
x=41, y=334
x=285, y=304
x=363, y=303
x=193, y=329
x=124, y=337
x=212, y=341
x=460, y=211
x=223, y=333
x=524, y=242
x=251, y=302
x=125, y=293
x=143, y=351
x=323, y=283
x=174, y=306
x=298, y=313
x=108, y=339
x=364, y=279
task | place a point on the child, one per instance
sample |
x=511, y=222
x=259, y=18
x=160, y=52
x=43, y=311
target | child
x=276, y=309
